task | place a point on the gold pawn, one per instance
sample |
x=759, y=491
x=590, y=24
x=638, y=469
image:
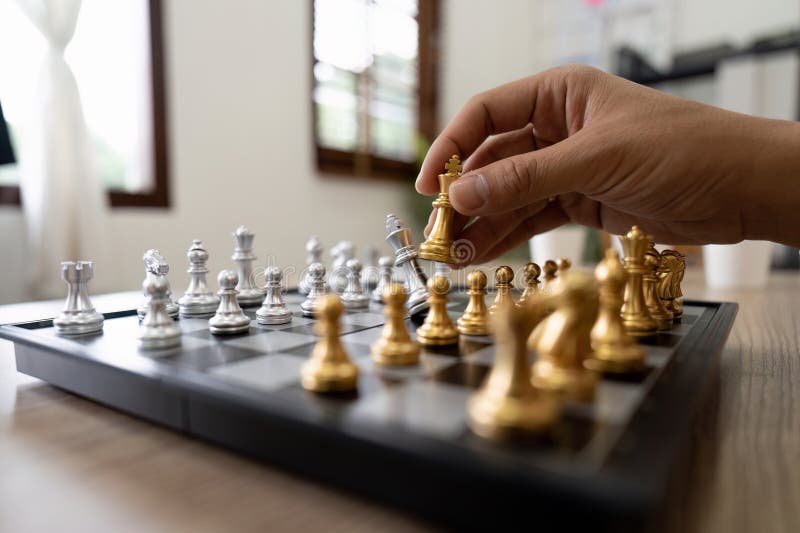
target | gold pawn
x=615, y=352
x=635, y=317
x=503, y=277
x=562, y=341
x=329, y=369
x=437, y=330
x=507, y=406
x=652, y=261
x=531, y=275
x=563, y=264
x=395, y=347
x=548, y=281
x=439, y=245
x=475, y=320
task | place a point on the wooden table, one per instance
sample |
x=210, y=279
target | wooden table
x=67, y=464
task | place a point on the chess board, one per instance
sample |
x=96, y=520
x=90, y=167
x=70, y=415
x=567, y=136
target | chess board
x=402, y=438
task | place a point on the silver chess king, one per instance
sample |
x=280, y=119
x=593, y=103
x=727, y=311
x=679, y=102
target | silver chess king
x=399, y=238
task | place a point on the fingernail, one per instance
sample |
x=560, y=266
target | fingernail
x=470, y=192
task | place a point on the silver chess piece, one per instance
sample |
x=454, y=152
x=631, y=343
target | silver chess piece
x=399, y=238
x=273, y=310
x=342, y=253
x=313, y=255
x=155, y=266
x=199, y=299
x=248, y=295
x=79, y=316
x=317, y=288
x=386, y=265
x=229, y=317
x=157, y=331
x=354, y=296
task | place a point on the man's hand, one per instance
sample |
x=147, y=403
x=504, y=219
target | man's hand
x=573, y=144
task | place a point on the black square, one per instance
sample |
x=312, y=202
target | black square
x=464, y=374
x=666, y=340
x=308, y=329
x=210, y=356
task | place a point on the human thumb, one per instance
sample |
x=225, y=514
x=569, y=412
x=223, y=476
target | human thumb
x=519, y=180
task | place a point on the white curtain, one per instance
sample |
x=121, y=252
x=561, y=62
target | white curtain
x=63, y=198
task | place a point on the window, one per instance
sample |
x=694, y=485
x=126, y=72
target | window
x=374, y=94
x=116, y=57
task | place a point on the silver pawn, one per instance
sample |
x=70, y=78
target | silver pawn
x=342, y=253
x=229, y=317
x=317, y=288
x=199, y=299
x=354, y=296
x=399, y=238
x=248, y=295
x=386, y=265
x=155, y=266
x=273, y=310
x=158, y=331
x=313, y=255
x=79, y=316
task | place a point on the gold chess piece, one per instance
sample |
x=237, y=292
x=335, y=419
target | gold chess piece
x=652, y=262
x=635, y=317
x=507, y=406
x=503, y=277
x=615, y=352
x=670, y=274
x=329, y=369
x=437, y=330
x=548, y=281
x=531, y=275
x=563, y=265
x=475, y=320
x=562, y=341
x=395, y=347
x=439, y=245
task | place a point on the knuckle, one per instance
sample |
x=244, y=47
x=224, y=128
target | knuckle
x=518, y=177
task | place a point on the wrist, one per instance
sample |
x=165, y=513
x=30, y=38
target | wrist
x=770, y=203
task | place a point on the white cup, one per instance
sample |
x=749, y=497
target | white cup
x=737, y=266
x=566, y=241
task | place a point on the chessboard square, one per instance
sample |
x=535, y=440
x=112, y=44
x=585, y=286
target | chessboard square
x=268, y=372
x=482, y=356
x=365, y=319
x=464, y=374
x=434, y=409
x=615, y=401
x=188, y=325
x=296, y=321
x=365, y=336
x=309, y=328
x=210, y=356
x=272, y=341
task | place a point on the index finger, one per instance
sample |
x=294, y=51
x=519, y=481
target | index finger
x=504, y=108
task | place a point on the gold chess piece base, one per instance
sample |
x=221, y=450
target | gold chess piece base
x=500, y=417
x=388, y=352
x=436, y=250
x=640, y=327
x=329, y=377
x=616, y=359
x=573, y=384
x=472, y=326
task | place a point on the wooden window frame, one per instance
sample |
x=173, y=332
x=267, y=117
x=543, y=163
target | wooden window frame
x=159, y=196
x=353, y=163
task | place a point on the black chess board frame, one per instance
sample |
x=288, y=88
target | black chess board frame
x=469, y=485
